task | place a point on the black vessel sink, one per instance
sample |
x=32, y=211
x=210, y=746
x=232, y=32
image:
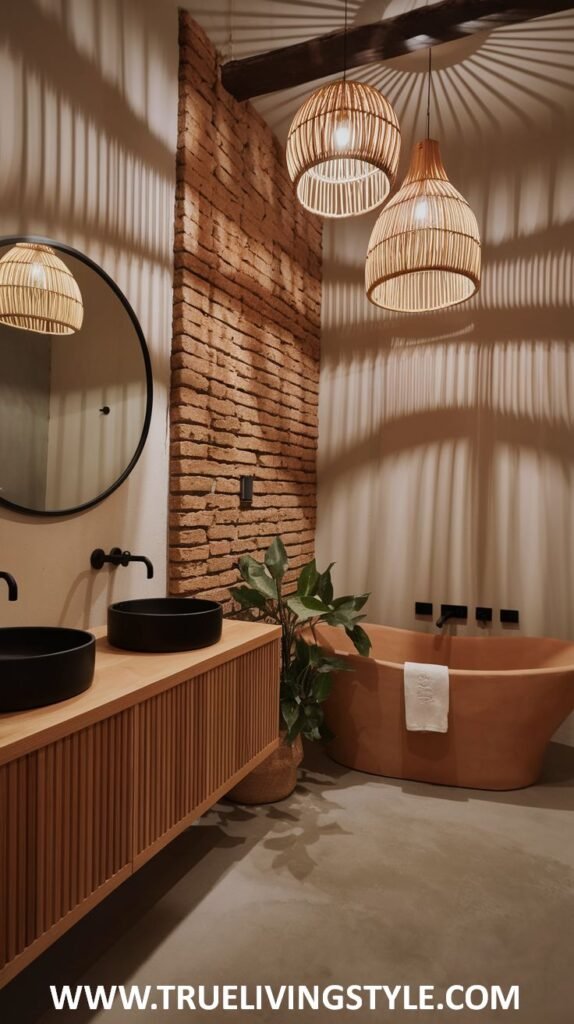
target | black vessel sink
x=164, y=624
x=43, y=664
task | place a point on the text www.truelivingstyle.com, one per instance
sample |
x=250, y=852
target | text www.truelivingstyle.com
x=290, y=998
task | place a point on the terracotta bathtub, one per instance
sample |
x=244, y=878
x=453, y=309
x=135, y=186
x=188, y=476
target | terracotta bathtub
x=507, y=698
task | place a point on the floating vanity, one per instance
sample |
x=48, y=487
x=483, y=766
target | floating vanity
x=92, y=788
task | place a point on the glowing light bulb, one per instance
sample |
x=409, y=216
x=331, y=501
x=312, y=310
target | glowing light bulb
x=37, y=275
x=342, y=135
x=421, y=211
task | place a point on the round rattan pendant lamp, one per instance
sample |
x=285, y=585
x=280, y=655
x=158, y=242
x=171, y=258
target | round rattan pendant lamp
x=38, y=292
x=343, y=148
x=424, y=251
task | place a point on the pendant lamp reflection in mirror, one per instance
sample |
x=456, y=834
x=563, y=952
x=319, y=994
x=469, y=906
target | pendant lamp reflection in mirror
x=38, y=292
x=343, y=149
x=424, y=251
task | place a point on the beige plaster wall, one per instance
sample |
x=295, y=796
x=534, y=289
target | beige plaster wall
x=446, y=441
x=88, y=140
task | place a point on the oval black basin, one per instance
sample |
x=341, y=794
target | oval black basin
x=43, y=664
x=164, y=624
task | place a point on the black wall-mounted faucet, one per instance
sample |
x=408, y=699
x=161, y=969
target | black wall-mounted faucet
x=98, y=559
x=12, y=585
x=451, y=611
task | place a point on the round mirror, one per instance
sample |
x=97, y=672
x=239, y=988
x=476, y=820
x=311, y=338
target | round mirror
x=75, y=380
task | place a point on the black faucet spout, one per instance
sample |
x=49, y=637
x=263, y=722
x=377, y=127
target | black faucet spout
x=146, y=562
x=116, y=557
x=12, y=585
x=443, y=619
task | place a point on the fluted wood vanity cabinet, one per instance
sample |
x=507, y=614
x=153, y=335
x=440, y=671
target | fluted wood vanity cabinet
x=195, y=740
x=90, y=789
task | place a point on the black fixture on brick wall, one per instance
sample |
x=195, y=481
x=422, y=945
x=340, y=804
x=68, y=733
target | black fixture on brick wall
x=246, y=490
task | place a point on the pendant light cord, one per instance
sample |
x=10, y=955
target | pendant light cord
x=429, y=94
x=345, y=45
x=230, y=29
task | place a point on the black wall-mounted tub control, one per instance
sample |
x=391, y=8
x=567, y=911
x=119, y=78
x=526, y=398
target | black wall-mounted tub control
x=484, y=614
x=423, y=608
x=509, y=616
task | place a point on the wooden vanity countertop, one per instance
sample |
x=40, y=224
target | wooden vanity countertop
x=121, y=680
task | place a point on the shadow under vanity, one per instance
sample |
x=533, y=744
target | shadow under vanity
x=112, y=742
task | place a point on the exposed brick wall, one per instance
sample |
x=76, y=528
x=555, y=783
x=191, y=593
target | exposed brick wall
x=245, y=362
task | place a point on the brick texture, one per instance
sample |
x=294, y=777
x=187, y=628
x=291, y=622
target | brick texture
x=246, y=329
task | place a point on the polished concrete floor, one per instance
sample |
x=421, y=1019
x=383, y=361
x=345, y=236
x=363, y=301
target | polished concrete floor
x=353, y=880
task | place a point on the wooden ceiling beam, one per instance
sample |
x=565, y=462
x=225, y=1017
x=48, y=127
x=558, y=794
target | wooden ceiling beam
x=366, y=44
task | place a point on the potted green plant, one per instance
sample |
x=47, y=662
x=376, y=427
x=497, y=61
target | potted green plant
x=306, y=668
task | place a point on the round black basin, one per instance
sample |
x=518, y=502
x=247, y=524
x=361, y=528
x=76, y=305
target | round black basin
x=43, y=664
x=164, y=624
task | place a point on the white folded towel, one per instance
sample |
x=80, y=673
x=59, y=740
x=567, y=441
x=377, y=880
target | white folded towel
x=426, y=697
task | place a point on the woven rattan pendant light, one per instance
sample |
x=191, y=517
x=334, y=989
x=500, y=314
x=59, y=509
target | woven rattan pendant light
x=424, y=251
x=343, y=148
x=38, y=292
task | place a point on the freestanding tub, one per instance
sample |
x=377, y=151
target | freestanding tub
x=507, y=698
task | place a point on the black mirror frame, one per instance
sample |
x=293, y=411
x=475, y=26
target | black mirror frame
x=70, y=251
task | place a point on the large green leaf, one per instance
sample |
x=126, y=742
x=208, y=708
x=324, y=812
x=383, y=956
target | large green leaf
x=289, y=690
x=308, y=580
x=347, y=599
x=290, y=711
x=248, y=598
x=276, y=559
x=313, y=721
x=318, y=658
x=322, y=687
x=350, y=601
x=295, y=731
x=313, y=734
x=325, y=585
x=257, y=577
x=303, y=652
x=345, y=610
x=306, y=607
x=313, y=714
x=342, y=616
x=360, y=639
x=326, y=734
x=334, y=664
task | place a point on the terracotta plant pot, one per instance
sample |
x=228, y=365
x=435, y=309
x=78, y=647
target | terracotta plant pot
x=274, y=779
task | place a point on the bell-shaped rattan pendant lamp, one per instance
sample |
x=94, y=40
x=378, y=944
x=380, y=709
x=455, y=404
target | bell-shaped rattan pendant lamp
x=38, y=292
x=343, y=148
x=424, y=251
